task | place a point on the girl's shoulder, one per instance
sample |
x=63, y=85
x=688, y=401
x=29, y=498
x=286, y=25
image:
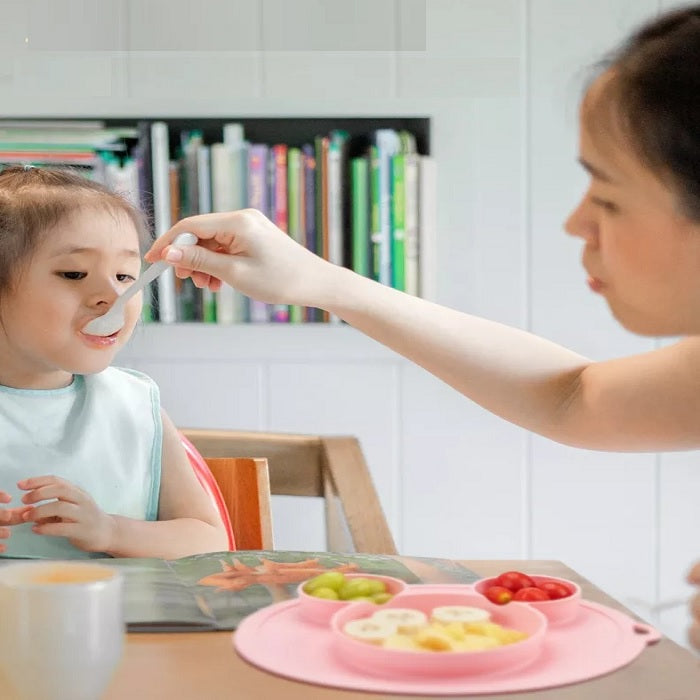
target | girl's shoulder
x=121, y=380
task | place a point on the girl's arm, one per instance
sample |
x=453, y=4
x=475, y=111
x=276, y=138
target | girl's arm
x=188, y=521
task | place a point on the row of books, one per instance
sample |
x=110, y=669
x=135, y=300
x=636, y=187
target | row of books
x=371, y=210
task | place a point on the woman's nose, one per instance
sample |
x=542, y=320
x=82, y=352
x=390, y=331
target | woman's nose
x=581, y=224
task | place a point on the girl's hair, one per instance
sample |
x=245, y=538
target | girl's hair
x=35, y=200
x=653, y=98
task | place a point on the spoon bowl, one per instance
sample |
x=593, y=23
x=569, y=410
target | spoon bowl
x=111, y=321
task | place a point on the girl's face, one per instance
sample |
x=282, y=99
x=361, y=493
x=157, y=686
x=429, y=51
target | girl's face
x=79, y=270
x=641, y=254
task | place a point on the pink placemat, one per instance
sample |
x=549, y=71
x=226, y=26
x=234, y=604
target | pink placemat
x=598, y=641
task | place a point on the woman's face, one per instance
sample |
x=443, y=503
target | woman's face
x=641, y=254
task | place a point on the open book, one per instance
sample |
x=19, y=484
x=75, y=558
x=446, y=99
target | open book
x=216, y=591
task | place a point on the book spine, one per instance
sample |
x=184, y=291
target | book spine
x=398, y=222
x=388, y=145
x=144, y=177
x=228, y=192
x=359, y=182
x=309, y=192
x=280, y=214
x=160, y=150
x=258, y=311
x=374, y=218
x=204, y=179
x=412, y=243
x=295, y=211
x=204, y=304
x=335, y=205
x=427, y=227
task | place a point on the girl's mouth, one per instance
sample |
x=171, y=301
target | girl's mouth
x=100, y=341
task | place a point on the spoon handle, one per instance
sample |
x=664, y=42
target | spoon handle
x=146, y=278
x=154, y=270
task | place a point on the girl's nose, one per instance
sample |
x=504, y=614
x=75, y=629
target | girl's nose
x=103, y=295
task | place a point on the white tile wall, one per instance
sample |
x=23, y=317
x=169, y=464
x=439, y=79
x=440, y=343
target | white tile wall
x=501, y=80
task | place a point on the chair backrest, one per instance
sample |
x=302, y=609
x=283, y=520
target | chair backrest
x=209, y=484
x=240, y=490
x=314, y=465
x=245, y=486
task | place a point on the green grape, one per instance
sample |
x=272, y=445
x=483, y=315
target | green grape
x=324, y=592
x=328, y=579
x=380, y=598
x=376, y=586
x=355, y=587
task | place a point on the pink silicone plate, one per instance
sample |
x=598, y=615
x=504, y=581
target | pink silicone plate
x=600, y=640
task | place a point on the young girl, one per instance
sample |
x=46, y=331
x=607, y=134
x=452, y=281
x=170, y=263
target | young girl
x=639, y=223
x=90, y=464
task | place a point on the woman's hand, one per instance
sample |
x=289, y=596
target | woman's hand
x=246, y=250
x=694, y=632
x=70, y=513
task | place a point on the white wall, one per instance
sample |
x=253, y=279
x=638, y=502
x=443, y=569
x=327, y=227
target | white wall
x=501, y=80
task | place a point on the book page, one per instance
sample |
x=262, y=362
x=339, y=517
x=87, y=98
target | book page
x=217, y=590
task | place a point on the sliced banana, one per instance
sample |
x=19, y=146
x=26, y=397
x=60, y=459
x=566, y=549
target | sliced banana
x=474, y=642
x=403, y=642
x=434, y=639
x=404, y=620
x=459, y=613
x=369, y=630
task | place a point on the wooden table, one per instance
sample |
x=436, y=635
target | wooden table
x=204, y=666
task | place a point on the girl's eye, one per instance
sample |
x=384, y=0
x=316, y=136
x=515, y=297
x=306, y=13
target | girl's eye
x=125, y=278
x=73, y=275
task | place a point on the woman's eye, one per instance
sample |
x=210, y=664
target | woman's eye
x=73, y=275
x=125, y=278
x=605, y=204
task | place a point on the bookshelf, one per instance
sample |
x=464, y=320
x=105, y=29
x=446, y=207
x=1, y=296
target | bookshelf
x=327, y=148
x=291, y=130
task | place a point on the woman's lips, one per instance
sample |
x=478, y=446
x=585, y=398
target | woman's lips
x=595, y=284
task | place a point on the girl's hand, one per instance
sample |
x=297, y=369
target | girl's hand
x=9, y=517
x=70, y=513
x=694, y=632
x=246, y=250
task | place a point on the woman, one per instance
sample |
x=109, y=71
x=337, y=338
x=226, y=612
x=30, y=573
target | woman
x=639, y=222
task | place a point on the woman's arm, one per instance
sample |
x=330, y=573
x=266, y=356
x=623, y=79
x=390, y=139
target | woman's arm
x=188, y=522
x=644, y=402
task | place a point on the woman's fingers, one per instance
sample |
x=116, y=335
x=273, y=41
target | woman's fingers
x=13, y=516
x=204, y=226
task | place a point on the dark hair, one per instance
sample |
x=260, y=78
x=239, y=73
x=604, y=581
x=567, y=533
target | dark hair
x=653, y=99
x=34, y=200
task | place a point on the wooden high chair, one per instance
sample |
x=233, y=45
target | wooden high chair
x=313, y=465
x=245, y=487
x=240, y=490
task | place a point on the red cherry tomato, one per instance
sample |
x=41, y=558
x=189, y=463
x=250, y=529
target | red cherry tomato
x=498, y=595
x=514, y=580
x=531, y=594
x=554, y=589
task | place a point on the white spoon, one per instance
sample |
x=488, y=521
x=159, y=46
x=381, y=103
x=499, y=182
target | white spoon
x=113, y=319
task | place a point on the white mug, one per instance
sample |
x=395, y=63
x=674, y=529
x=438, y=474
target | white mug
x=61, y=629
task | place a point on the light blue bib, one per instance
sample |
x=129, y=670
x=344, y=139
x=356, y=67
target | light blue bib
x=102, y=433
